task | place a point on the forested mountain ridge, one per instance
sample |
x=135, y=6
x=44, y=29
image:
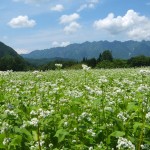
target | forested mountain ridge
x=122, y=50
x=6, y=50
x=10, y=59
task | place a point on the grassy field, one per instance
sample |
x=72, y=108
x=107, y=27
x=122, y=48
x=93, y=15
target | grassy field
x=75, y=110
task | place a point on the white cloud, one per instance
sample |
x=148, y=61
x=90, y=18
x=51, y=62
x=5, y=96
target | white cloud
x=58, y=7
x=131, y=24
x=69, y=18
x=140, y=33
x=64, y=44
x=21, y=51
x=89, y=4
x=21, y=22
x=55, y=44
x=61, y=44
x=72, y=27
x=82, y=7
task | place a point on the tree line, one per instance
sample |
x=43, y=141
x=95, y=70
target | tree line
x=104, y=60
x=14, y=63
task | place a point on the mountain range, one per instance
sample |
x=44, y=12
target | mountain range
x=121, y=50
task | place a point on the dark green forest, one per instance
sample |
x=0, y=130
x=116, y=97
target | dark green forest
x=11, y=60
x=106, y=60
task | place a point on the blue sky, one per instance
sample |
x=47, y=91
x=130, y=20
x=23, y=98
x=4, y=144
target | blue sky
x=28, y=25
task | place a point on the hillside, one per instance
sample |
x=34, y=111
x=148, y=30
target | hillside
x=123, y=50
x=10, y=59
x=6, y=50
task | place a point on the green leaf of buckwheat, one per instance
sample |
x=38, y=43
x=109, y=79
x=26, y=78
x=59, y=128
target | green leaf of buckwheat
x=35, y=135
x=2, y=136
x=136, y=125
x=60, y=134
x=117, y=134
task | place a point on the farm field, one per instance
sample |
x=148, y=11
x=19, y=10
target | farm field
x=75, y=110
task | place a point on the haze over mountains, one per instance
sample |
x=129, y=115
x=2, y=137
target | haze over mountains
x=122, y=50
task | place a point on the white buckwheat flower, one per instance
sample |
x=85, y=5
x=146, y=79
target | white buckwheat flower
x=58, y=65
x=123, y=143
x=85, y=67
x=6, y=141
x=144, y=72
x=91, y=148
x=147, y=115
x=123, y=116
x=34, y=122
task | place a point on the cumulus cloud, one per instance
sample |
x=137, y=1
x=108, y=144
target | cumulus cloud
x=69, y=18
x=21, y=22
x=72, y=27
x=60, y=44
x=132, y=24
x=140, y=33
x=58, y=7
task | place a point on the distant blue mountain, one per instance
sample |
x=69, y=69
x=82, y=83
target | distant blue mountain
x=122, y=50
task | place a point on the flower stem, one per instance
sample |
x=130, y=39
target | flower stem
x=39, y=138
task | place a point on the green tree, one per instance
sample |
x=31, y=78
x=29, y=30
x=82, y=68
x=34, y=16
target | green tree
x=107, y=55
x=9, y=62
x=99, y=58
x=119, y=63
x=105, y=64
x=139, y=61
x=91, y=62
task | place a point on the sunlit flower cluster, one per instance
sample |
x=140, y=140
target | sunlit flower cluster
x=123, y=143
x=58, y=65
x=6, y=141
x=85, y=67
x=144, y=72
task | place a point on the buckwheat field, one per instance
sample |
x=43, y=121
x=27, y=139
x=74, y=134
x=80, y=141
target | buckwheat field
x=75, y=109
